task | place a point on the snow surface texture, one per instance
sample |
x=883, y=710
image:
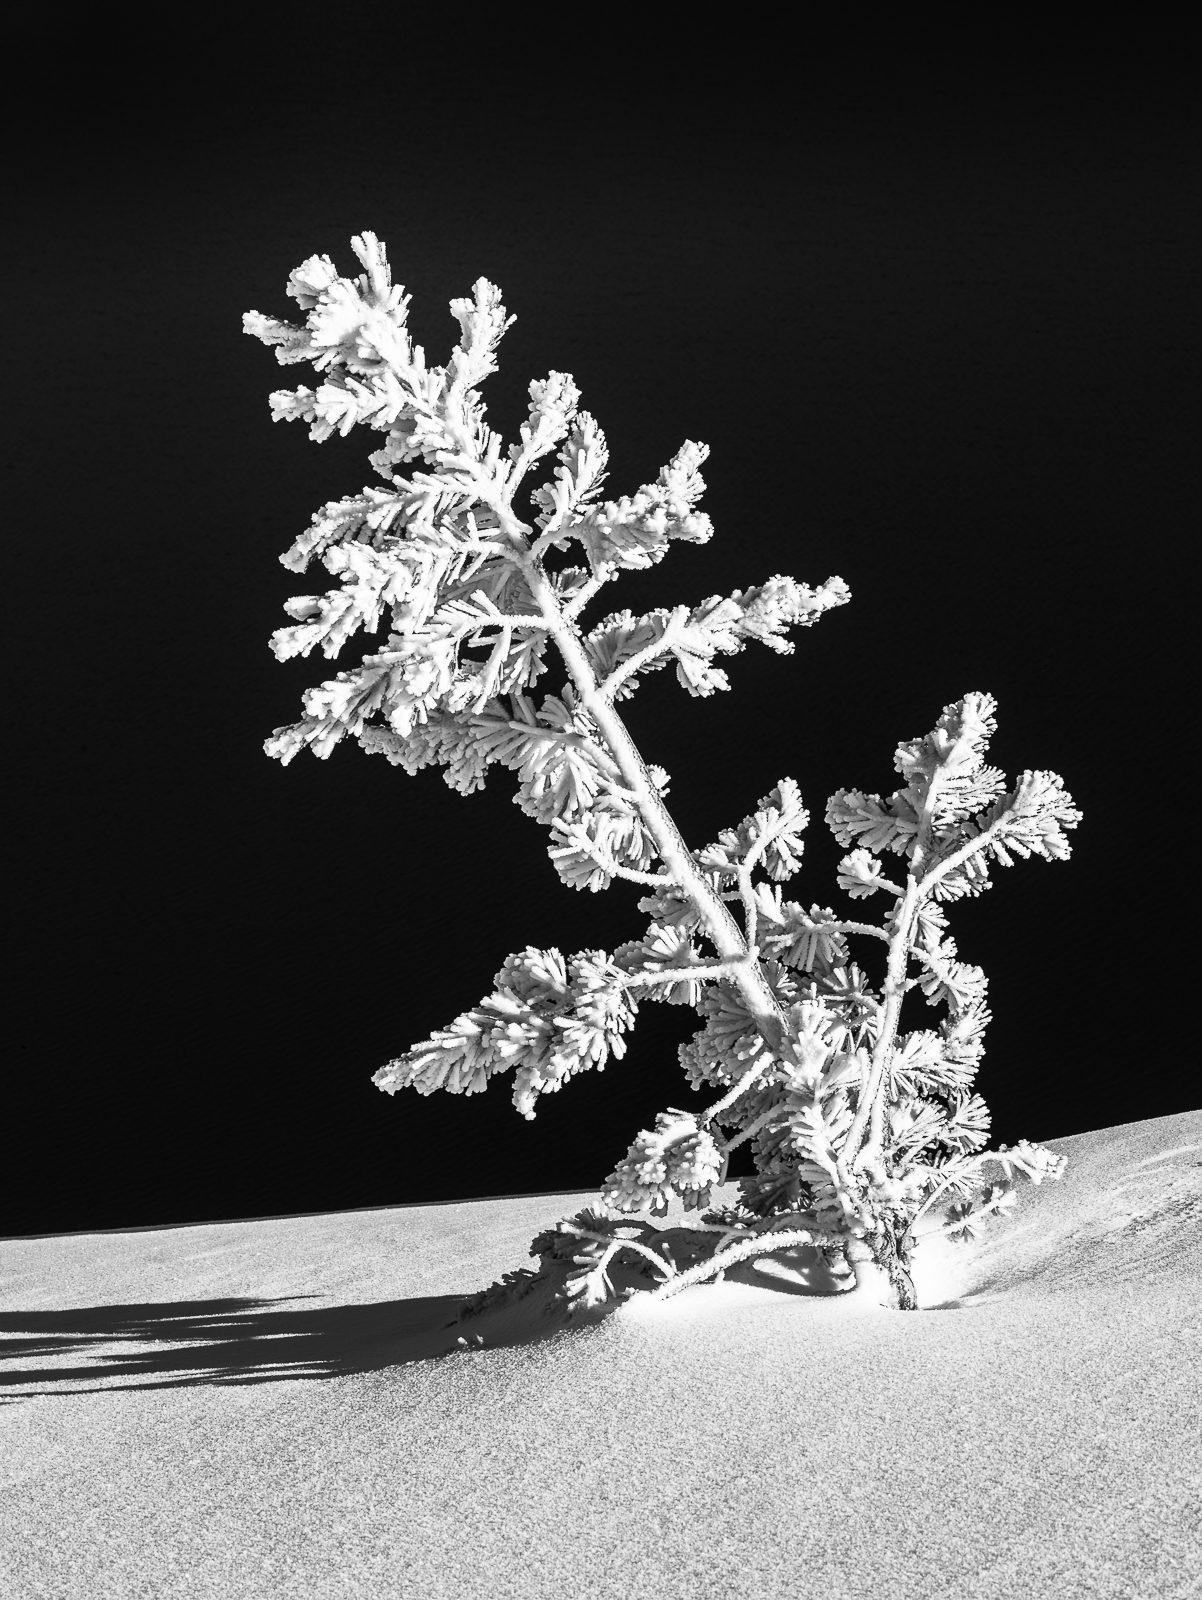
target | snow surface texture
x=260, y=1409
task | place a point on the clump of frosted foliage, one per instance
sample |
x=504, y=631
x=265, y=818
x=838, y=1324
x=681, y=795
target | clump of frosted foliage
x=856, y=1129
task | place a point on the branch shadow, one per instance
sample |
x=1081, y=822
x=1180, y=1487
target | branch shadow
x=235, y=1341
x=184, y=1343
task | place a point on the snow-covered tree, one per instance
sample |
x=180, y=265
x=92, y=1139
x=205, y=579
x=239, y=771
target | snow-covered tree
x=856, y=1130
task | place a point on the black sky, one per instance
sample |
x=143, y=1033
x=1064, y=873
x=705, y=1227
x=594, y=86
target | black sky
x=939, y=329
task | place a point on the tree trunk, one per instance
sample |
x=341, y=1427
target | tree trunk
x=883, y=1277
x=902, y=1285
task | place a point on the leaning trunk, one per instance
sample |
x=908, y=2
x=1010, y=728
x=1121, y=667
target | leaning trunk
x=883, y=1272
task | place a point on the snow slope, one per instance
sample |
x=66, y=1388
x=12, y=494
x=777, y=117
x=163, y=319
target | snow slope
x=267, y=1408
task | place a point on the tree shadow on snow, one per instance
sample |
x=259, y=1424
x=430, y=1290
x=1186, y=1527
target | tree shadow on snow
x=93, y=1349
x=188, y=1342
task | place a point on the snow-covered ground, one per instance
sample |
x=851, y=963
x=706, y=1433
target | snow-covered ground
x=267, y=1408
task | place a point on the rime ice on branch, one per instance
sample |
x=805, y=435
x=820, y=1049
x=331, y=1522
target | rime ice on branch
x=856, y=1130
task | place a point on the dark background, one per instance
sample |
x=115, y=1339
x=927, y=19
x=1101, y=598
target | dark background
x=935, y=313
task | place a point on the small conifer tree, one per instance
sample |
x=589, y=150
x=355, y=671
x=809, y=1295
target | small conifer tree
x=856, y=1130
